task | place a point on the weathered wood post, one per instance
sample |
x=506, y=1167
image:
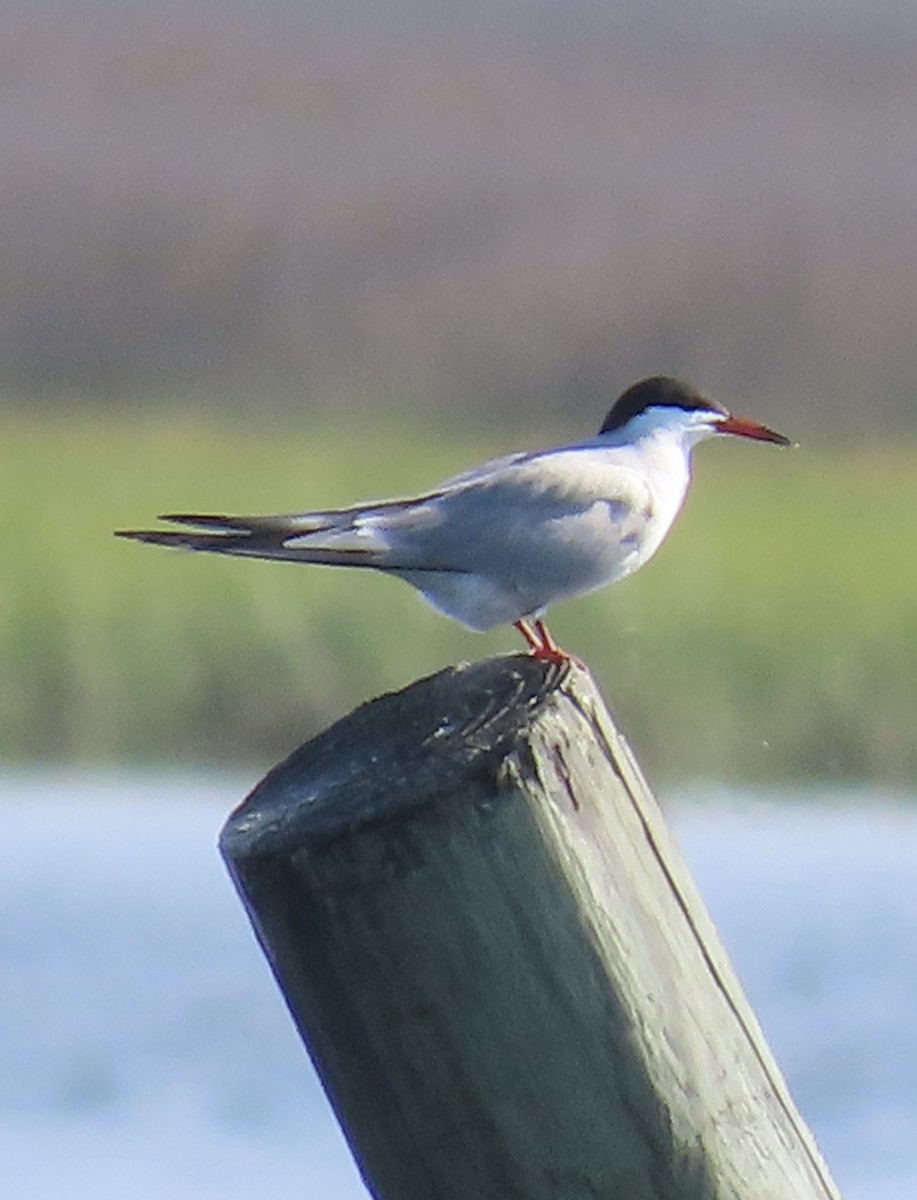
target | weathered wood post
x=497, y=961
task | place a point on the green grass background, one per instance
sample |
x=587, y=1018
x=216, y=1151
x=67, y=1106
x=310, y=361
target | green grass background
x=774, y=637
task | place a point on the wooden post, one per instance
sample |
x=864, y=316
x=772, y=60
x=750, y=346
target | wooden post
x=497, y=961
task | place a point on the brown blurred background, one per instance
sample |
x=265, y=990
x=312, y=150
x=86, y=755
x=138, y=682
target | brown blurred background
x=475, y=209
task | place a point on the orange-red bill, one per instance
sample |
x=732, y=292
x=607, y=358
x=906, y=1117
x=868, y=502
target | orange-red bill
x=746, y=427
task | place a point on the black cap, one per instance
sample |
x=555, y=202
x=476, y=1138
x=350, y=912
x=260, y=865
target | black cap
x=658, y=391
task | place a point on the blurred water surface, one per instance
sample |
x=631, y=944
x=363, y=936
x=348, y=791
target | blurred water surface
x=147, y=1052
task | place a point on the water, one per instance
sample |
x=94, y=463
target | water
x=145, y=1051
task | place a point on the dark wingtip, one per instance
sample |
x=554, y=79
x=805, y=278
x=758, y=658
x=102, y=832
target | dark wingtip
x=151, y=536
x=172, y=537
x=203, y=520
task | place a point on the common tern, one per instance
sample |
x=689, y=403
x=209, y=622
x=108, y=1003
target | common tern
x=500, y=543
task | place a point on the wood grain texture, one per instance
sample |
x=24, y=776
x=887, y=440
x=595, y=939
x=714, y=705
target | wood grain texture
x=498, y=962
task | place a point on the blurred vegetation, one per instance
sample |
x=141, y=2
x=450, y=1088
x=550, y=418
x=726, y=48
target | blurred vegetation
x=774, y=636
x=430, y=218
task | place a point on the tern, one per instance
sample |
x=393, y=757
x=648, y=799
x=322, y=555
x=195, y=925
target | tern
x=502, y=542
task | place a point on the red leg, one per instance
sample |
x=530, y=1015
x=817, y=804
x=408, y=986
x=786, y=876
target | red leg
x=549, y=649
x=540, y=642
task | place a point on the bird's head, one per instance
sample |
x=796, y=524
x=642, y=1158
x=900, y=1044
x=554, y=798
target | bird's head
x=663, y=403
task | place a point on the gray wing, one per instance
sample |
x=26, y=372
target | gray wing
x=523, y=520
x=564, y=520
x=354, y=536
x=336, y=537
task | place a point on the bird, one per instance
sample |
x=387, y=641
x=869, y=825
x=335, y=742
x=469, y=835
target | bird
x=500, y=543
